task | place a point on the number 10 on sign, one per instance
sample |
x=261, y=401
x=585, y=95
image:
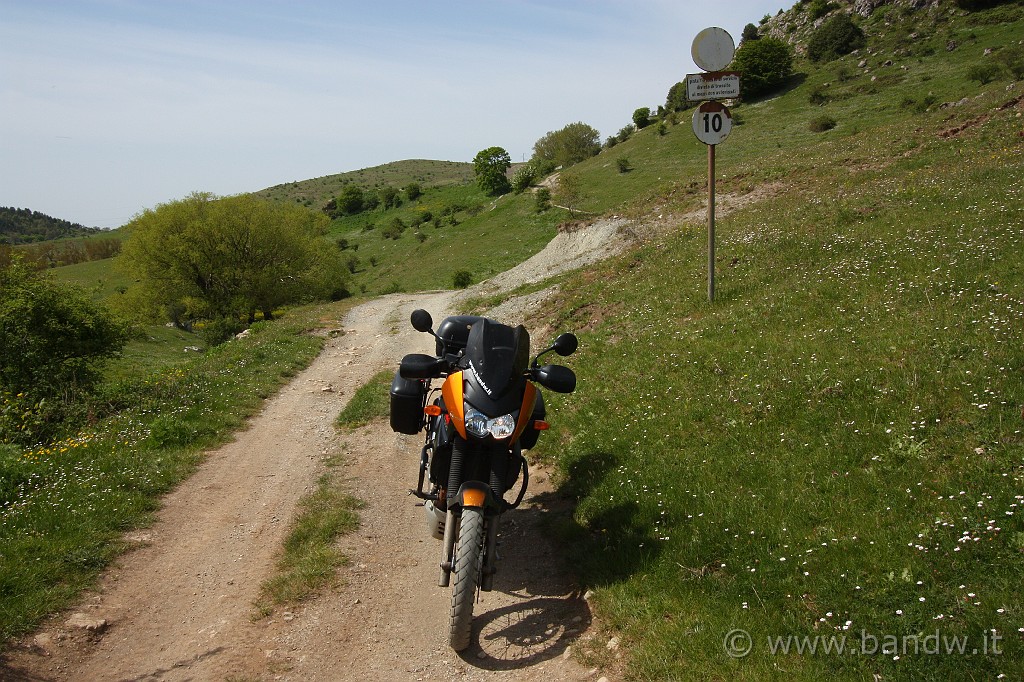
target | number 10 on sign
x=712, y=123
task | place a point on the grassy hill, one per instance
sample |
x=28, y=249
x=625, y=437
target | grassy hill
x=24, y=226
x=834, y=448
x=315, y=193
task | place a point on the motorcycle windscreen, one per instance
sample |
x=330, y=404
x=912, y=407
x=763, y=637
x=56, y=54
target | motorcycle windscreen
x=497, y=355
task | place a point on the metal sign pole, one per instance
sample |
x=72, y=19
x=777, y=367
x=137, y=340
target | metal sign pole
x=711, y=223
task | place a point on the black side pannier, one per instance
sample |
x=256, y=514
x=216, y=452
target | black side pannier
x=530, y=435
x=455, y=331
x=408, y=397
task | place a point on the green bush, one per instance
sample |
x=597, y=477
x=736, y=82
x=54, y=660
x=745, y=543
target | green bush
x=1013, y=59
x=54, y=340
x=220, y=330
x=642, y=117
x=983, y=73
x=523, y=178
x=542, y=200
x=822, y=123
x=623, y=164
x=462, y=279
x=834, y=38
x=766, y=64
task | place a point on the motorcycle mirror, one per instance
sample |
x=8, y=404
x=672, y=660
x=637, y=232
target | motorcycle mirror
x=421, y=320
x=566, y=344
x=555, y=377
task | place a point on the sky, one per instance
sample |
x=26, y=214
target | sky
x=110, y=107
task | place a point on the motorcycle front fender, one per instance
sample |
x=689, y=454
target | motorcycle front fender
x=475, y=494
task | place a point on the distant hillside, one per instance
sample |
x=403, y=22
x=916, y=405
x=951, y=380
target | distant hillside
x=315, y=193
x=23, y=226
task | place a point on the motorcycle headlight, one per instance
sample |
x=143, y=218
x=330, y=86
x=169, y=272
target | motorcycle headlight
x=479, y=425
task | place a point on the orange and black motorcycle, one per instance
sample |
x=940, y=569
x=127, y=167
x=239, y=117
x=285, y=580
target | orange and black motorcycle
x=487, y=412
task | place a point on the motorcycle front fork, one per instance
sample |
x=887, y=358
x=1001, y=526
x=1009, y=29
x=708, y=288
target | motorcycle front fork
x=451, y=534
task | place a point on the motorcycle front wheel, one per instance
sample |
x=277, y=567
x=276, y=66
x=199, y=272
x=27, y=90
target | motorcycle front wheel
x=468, y=558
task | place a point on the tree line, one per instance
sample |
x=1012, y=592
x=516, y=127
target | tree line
x=24, y=226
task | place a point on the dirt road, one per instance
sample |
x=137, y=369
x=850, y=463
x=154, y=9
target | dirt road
x=179, y=606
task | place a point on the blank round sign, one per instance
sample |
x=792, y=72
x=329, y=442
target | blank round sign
x=713, y=49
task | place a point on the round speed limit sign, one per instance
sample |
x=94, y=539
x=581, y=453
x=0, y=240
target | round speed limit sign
x=712, y=122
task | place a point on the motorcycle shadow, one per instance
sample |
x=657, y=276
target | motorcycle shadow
x=550, y=612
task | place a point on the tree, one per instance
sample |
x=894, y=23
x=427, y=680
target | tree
x=642, y=117
x=570, y=145
x=53, y=335
x=676, y=99
x=490, y=166
x=749, y=33
x=834, y=38
x=413, y=191
x=209, y=258
x=350, y=201
x=389, y=197
x=766, y=65
x=569, y=193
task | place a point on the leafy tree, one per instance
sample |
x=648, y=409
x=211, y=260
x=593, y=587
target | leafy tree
x=389, y=197
x=626, y=132
x=570, y=145
x=523, y=178
x=542, y=200
x=350, y=201
x=834, y=38
x=54, y=340
x=766, y=65
x=569, y=193
x=413, y=191
x=209, y=258
x=490, y=166
x=749, y=33
x=642, y=117
x=462, y=279
x=53, y=335
x=676, y=99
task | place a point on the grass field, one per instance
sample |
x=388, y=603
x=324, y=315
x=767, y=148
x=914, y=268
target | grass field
x=834, y=448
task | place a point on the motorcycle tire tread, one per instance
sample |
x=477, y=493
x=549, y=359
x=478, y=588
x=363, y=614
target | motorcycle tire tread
x=467, y=571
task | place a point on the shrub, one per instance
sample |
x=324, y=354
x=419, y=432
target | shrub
x=523, y=178
x=420, y=236
x=834, y=38
x=542, y=200
x=626, y=132
x=413, y=191
x=611, y=141
x=570, y=145
x=1013, y=59
x=817, y=97
x=462, y=279
x=642, y=117
x=352, y=263
x=822, y=123
x=220, y=330
x=623, y=164
x=983, y=73
x=662, y=128
x=767, y=65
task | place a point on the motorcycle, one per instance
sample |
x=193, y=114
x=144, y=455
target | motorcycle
x=485, y=413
